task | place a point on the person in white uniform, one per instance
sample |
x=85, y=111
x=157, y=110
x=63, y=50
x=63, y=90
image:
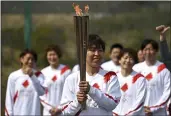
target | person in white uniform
x=132, y=86
x=76, y=68
x=164, y=52
x=113, y=64
x=158, y=79
x=140, y=56
x=24, y=87
x=100, y=91
x=55, y=75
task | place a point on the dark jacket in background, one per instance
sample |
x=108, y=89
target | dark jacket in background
x=165, y=54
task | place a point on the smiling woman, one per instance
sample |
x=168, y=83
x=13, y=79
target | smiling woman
x=99, y=92
x=132, y=86
x=24, y=85
x=158, y=79
x=53, y=54
x=28, y=58
x=127, y=59
x=55, y=75
x=95, y=51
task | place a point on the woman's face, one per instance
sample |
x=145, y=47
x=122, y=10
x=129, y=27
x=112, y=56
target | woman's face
x=140, y=56
x=126, y=61
x=94, y=56
x=115, y=54
x=28, y=60
x=149, y=52
x=52, y=58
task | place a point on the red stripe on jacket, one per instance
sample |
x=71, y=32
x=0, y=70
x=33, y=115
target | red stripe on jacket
x=15, y=96
x=116, y=101
x=65, y=106
x=64, y=69
x=136, y=77
x=45, y=102
x=161, y=103
x=161, y=67
x=38, y=73
x=108, y=76
x=6, y=111
x=115, y=114
x=135, y=108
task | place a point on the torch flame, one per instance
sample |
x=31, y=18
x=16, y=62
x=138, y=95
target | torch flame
x=86, y=8
x=77, y=10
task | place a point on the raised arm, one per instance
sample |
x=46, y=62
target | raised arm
x=38, y=82
x=164, y=50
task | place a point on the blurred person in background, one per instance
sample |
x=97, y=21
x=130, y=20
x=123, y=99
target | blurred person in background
x=140, y=56
x=76, y=68
x=100, y=91
x=55, y=76
x=164, y=52
x=158, y=79
x=113, y=64
x=24, y=87
x=132, y=86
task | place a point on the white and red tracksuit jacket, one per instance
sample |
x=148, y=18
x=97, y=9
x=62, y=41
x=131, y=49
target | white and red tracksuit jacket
x=158, y=86
x=22, y=94
x=133, y=89
x=54, y=79
x=103, y=96
x=110, y=66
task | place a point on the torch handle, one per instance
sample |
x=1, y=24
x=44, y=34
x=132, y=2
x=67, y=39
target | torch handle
x=81, y=28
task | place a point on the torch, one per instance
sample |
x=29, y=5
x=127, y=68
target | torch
x=81, y=23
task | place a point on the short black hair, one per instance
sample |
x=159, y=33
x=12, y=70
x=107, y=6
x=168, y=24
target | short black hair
x=96, y=40
x=116, y=45
x=131, y=52
x=55, y=48
x=29, y=51
x=149, y=41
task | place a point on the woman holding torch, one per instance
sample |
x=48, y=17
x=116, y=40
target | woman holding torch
x=100, y=91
